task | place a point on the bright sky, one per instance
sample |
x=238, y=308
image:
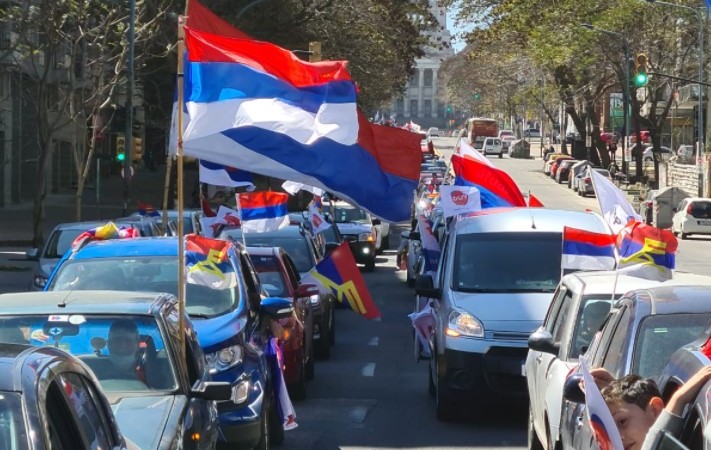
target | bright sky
x=457, y=43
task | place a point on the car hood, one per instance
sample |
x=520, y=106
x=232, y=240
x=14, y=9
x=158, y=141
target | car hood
x=354, y=228
x=216, y=330
x=143, y=420
x=519, y=312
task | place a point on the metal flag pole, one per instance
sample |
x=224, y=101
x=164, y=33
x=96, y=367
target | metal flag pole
x=238, y=204
x=179, y=160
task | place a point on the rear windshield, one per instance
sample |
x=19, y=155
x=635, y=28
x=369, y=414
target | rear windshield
x=269, y=274
x=59, y=242
x=661, y=335
x=297, y=246
x=701, y=210
x=507, y=262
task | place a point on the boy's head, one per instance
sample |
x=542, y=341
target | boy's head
x=635, y=404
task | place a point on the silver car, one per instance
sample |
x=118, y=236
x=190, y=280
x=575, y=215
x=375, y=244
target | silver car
x=494, y=283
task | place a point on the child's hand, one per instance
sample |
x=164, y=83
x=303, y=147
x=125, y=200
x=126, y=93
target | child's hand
x=688, y=392
x=602, y=377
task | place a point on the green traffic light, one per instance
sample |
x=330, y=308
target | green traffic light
x=641, y=79
x=120, y=157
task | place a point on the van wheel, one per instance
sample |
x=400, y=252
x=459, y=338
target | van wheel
x=370, y=265
x=684, y=235
x=501, y=155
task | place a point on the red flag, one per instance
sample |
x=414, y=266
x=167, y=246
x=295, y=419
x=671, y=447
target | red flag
x=338, y=274
x=497, y=188
x=533, y=201
x=201, y=18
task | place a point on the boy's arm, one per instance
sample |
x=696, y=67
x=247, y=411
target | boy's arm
x=667, y=421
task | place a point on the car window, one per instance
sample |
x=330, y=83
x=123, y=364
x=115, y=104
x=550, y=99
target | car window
x=563, y=317
x=661, y=335
x=294, y=275
x=63, y=431
x=59, y=242
x=270, y=275
x=144, y=273
x=553, y=310
x=604, y=341
x=591, y=315
x=614, y=353
x=348, y=213
x=127, y=353
x=92, y=423
x=13, y=434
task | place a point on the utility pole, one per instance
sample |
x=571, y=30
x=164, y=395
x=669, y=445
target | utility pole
x=314, y=51
x=129, y=107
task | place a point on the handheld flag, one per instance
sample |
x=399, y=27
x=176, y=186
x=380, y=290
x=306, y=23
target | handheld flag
x=533, y=201
x=646, y=251
x=424, y=323
x=615, y=207
x=456, y=200
x=209, y=226
x=318, y=222
x=106, y=232
x=252, y=104
x=228, y=216
x=147, y=210
x=496, y=187
x=338, y=274
x=263, y=211
x=430, y=246
x=284, y=407
x=207, y=262
x=219, y=175
x=465, y=150
x=293, y=188
x=585, y=250
x=601, y=421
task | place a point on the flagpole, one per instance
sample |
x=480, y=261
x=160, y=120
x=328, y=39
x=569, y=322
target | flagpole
x=179, y=160
x=241, y=223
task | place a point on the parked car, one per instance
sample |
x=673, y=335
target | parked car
x=227, y=321
x=507, y=141
x=493, y=146
x=648, y=156
x=532, y=133
x=556, y=164
x=280, y=278
x=642, y=331
x=493, y=285
x=646, y=206
x=49, y=400
x=504, y=133
x=434, y=132
x=686, y=154
x=585, y=185
x=579, y=307
x=548, y=160
x=61, y=238
x=577, y=172
x=299, y=244
x=130, y=341
x=562, y=174
x=692, y=216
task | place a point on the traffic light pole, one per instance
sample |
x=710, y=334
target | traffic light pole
x=626, y=105
x=129, y=106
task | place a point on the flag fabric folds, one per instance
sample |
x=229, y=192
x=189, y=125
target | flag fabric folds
x=263, y=211
x=646, y=251
x=207, y=262
x=465, y=150
x=496, y=187
x=293, y=188
x=318, y=222
x=585, y=250
x=615, y=207
x=256, y=106
x=285, y=408
x=533, y=201
x=456, y=200
x=105, y=232
x=599, y=416
x=338, y=274
x=430, y=246
x=219, y=175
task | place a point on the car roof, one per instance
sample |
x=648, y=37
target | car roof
x=81, y=225
x=698, y=199
x=292, y=230
x=80, y=302
x=263, y=251
x=670, y=299
x=596, y=283
x=149, y=246
x=507, y=220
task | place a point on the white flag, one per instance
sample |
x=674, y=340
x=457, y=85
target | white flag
x=293, y=188
x=459, y=199
x=615, y=207
x=209, y=226
x=601, y=421
x=318, y=223
x=466, y=150
x=228, y=216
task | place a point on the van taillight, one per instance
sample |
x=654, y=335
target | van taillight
x=690, y=208
x=587, y=180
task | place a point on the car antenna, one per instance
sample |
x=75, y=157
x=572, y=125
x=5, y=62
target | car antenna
x=530, y=212
x=63, y=302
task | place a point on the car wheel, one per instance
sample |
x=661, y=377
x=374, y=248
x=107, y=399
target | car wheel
x=276, y=428
x=684, y=235
x=533, y=442
x=445, y=408
x=311, y=365
x=501, y=155
x=385, y=244
x=370, y=265
x=264, y=441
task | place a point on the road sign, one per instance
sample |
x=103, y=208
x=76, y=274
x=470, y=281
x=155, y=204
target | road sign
x=133, y=172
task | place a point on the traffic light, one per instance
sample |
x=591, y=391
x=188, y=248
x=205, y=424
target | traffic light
x=137, y=151
x=120, y=148
x=477, y=96
x=641, y=78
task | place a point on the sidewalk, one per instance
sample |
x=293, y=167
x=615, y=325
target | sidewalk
x=146, y=187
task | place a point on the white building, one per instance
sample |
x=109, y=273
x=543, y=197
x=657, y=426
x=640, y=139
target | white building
x=420, y=103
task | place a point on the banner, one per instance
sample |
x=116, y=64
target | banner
x=457, y=200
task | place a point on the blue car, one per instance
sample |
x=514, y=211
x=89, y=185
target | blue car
x=231, y=330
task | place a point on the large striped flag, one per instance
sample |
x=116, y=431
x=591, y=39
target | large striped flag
x=585, y=250
x=263, y=211
x=496, y=187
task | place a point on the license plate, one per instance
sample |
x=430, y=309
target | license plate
x=704, y=222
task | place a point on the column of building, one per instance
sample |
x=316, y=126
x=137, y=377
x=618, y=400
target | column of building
x=421, y=93
x=435, y=101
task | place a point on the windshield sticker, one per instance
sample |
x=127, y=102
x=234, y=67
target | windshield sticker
x=58, y=318
x=77, y=319
x=39, y=335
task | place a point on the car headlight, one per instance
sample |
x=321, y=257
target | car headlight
x=461, y=323
x=224, y=359
x=368, y=237
x=40, y=281
x=315, y=299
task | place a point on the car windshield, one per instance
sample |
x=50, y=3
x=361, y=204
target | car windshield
x=591, y=314
x=269, y=274
x=13, y=435
x=345, y=214
x=127, y=353
x=661, y=335
x=507, y=262
x=296, y=246
x=330, y=234
x=143, y=273
x=60, y=241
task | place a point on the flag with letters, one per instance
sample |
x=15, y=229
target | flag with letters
x=338, y=274
x=647, y=252
x=207, y=262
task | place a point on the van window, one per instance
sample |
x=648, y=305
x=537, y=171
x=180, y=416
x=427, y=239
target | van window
x=507, y=262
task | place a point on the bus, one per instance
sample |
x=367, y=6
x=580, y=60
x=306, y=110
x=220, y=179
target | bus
x=478, y=129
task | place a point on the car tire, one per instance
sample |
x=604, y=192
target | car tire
x=311, y=365
x=501, y=155
x=370, y=265
x=276, y=428
x=265, y=431
x=385, y=244
x=533, y=442
x=431, y=388
x=297, y=391
x=683, y=235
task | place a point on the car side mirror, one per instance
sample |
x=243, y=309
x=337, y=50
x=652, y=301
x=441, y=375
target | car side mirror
x=331, y=246
x=277, y=308
x=424, y=287
x=212, y=390
x=415, y=236
x=571, y=388
x=32, y=254
x=376, y=221
x=542, y=341
x=306, y=290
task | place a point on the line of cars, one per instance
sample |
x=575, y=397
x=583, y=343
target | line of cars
x=565, y=169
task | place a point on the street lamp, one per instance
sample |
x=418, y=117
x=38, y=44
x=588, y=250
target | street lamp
x=626, y=99
x=700, y=114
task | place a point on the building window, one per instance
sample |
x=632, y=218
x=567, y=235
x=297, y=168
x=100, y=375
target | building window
x=428, y=108
x=415, y=78
x=413, y=108
x=400, y=107
x=428, y=77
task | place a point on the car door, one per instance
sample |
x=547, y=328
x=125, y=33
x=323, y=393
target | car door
x=301, y=304
x=679, y=213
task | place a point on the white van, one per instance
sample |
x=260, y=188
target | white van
x=494, y=146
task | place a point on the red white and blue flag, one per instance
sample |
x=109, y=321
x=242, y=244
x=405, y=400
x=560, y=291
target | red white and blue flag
x=430, y=246
x=496, y=188
x=207, y=262
x=585, y=250
x=219, y=175
x=263, y=211
x=256, y=106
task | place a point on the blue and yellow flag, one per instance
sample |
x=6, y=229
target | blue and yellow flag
x=207, y=262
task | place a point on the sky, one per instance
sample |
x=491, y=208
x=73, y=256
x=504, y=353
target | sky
x=457, y=44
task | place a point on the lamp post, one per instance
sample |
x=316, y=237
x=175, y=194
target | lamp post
x=129, y=105
x=700, y=114
x=626, y=97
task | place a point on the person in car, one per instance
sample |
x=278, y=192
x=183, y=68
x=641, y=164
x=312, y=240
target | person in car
x=593, y=315
x=123, y=345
